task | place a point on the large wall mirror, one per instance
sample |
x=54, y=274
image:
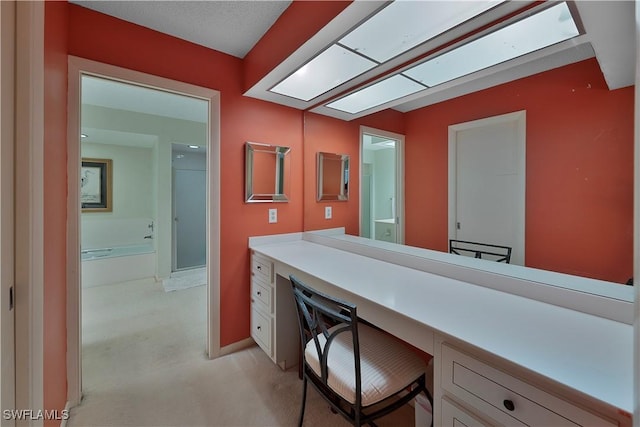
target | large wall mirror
x=579, y=171
x=267, y=170
x=332, y=176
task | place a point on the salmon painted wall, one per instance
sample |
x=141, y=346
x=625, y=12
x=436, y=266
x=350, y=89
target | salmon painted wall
x=109, y=40
x=329, y=135
x=579, y=178
x=55, y=200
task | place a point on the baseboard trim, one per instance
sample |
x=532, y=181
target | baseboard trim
x=237, y=346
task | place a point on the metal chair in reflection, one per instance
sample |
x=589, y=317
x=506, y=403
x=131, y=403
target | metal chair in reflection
x=362, y=372
x=480, y=250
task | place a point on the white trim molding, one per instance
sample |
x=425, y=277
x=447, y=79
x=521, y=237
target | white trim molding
x=29, y=248
x=7, y=211
x=636, y=237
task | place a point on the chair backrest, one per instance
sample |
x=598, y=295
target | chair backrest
x=322, y=318
x=480, y=250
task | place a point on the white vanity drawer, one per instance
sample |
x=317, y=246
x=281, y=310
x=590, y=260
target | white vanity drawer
x=261, y=330
x=507, y=399
x=261, y=295
x=261, y=269
x=455, y=416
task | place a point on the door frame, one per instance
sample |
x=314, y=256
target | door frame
x=29, y=201
x=7, y=216
x=77, y=68
x=518, y=117
x=400, y=139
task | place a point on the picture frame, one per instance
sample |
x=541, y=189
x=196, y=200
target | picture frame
x=96, y=185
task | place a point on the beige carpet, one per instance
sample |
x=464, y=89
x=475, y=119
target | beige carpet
x=185, y=279
x=144, y=365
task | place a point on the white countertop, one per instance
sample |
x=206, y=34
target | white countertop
x=589, y=354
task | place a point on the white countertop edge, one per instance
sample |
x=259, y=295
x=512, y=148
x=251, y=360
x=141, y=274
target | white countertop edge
x=255, y=241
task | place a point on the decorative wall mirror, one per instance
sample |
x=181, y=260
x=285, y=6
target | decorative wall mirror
x=333, y=176
x=267, y=170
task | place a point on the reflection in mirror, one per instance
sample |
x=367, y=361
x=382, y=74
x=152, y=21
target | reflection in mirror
x=578, y=195
x=266, y=173
x=333, y=176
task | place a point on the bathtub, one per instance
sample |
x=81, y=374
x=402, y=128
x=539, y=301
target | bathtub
x=102, y=266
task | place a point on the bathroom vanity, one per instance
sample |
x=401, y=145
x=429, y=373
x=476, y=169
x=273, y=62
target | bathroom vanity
x=503, y=354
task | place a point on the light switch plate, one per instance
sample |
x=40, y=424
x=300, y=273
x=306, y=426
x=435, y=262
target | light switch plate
x=327, y=212
x=273, y=216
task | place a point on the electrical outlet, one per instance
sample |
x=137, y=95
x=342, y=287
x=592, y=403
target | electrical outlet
x=273, y=216
x=327, y=212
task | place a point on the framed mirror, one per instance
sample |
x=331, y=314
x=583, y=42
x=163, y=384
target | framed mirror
x=267, y=169
x=333, y=176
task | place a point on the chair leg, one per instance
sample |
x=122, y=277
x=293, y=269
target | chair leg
x=304, y=399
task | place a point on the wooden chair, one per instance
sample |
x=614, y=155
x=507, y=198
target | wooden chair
x=480, y=250
x=361, y=371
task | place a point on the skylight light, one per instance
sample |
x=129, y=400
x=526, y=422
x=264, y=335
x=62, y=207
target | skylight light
x=377, y=94
x=403, y=25
x=331, y=68
x=548, y=27
x=545, y=28
x=397, y=28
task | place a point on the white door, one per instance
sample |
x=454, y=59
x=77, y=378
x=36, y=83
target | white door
x=190, y=219
x=487, y=165
x=7, y=107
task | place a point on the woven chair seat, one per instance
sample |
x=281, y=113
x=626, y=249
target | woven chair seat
x=386, y=365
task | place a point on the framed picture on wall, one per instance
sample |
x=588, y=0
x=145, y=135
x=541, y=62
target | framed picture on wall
x=95, y=185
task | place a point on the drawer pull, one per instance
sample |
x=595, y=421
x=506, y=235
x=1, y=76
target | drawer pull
x=259, y=328
x=259, y=293
x=508, y=404
x=260, y=267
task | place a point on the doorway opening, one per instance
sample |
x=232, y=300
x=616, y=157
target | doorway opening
x=140, y=181
x=381, y=185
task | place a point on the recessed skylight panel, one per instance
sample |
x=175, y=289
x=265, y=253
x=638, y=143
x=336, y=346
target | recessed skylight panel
x=330, y=69
x=377, y=94
x=546, y=28
x=403, y=25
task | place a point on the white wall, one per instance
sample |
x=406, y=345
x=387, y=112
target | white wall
x=134, y=197
x=132, y=179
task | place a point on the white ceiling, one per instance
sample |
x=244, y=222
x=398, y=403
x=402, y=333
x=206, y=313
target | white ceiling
x=232, y=27
x=235, y=26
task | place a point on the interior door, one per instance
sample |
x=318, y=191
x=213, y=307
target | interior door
x=189, y=196
x=7, y=108
x=488, y=186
